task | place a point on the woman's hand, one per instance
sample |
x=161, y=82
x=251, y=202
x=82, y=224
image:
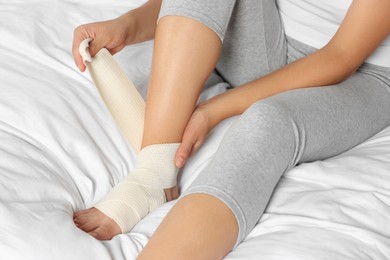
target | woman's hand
x=195, y=133
x=135, y=26
x=113, y=35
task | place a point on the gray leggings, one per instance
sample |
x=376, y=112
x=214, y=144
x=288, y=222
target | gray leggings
x=277, y=133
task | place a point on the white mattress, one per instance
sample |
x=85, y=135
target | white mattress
x=60, y=151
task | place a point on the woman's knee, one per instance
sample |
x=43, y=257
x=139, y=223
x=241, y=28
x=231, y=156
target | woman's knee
x=272, y=122
x=277, y=120
x=270, y=113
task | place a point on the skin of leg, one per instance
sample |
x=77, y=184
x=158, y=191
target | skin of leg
x=209, y=231
x=185, y=53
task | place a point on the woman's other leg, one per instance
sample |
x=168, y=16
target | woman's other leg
x=272, y=136
x=185, y=53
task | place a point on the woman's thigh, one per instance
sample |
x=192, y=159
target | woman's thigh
x=254, y=44
x=333, y=119
x=251, y=31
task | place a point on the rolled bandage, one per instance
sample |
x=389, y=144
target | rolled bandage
x=142, y=190
x=121, y=97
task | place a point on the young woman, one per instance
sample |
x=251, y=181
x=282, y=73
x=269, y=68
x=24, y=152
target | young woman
x=310, y=81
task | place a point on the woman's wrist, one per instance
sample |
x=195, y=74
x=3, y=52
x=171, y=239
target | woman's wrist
x=228, y=104
x=210, y=114
x=129, y=21
x=141, y=23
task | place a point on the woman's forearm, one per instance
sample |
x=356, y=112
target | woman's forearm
x=352, y=44
x=144, y=18
x=324, y=67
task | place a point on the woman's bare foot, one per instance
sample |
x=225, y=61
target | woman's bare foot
x=97, y=224
x=102, y=227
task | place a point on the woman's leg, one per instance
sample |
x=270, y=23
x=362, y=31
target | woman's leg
x=202, y=226
x=185, y=53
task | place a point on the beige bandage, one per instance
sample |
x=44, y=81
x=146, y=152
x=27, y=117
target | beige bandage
x=142, y=190
x=121, y=97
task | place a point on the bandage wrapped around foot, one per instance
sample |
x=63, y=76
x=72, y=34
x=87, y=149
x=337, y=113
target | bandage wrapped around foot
x=142, y=190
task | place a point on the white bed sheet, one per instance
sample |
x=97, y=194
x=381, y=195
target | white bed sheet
x=60, y=151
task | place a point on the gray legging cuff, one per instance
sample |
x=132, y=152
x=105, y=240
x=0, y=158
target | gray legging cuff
x=202, y=11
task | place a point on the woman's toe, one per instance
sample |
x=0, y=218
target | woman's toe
x=89, y=226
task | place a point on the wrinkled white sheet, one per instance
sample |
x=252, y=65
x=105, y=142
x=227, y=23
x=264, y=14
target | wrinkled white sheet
x=60, y=151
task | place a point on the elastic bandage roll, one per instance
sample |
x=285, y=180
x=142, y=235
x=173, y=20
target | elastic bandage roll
x=121, y=97
x=142, y=190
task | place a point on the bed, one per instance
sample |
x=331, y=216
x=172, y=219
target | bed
x=60, y=151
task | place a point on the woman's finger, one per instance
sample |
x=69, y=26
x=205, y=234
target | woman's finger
x=116, y=49
x=95, y=46
x=185, y=148
x=77, y=39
